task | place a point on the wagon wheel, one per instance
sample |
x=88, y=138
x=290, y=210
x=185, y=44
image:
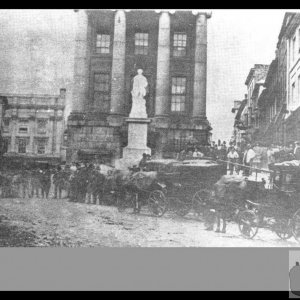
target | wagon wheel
x=157, y=203
x=283, y=228
x=201, y=200
x=296, y=225
x=182, y=208
x=248, y=223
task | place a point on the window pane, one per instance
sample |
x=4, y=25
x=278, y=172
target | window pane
x=41, y=147
x=179, y=44
x=42, y=125
x=141, y=43
x=22, y=146
x=178, y=94
x=103, y=43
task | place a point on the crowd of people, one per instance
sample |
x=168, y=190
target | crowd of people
x=75, y=181
x=243, y=158
x=84, y=182
x=257, y=156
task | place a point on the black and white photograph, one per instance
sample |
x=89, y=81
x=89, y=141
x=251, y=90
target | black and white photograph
x=149, y=128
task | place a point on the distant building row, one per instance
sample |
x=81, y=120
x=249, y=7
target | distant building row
x=270, y=112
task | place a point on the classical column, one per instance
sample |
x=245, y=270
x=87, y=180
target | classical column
x=81, y=68
x=200, y=73
x=163, y=67
x=118, y=65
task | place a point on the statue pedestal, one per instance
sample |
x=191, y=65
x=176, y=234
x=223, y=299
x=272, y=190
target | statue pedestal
x=137, y=140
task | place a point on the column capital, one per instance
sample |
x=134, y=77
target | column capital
x=168, y=11
x=199, y=13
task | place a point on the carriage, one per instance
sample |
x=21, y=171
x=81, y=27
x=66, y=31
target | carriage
x=184, y=181
x=274, y=205
x=166, y=184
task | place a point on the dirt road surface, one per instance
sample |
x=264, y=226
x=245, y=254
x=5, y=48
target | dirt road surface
x=59, y=223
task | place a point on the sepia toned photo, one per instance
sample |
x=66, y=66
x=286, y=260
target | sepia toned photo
x=149, y=128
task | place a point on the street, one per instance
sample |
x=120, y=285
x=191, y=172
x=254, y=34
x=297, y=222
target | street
x=59, y=223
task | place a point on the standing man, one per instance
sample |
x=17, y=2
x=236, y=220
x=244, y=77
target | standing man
x=232, y=158
x=58, y=182
x=46, y=182
x=143, y=161
x=249, y=156
x=297, y=150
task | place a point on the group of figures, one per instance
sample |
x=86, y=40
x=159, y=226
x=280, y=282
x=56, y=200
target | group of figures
x=251, y=157
x=26, y=183
x=79, y=182
x=72, y=181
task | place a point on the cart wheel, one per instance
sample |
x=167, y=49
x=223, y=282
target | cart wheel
x=248, y=223
x=157, y=203
x=201, y=200
x=296, y=225
x=283, y=228
x=182, y=208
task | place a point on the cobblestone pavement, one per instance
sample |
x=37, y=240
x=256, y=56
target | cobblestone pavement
x=40, y=223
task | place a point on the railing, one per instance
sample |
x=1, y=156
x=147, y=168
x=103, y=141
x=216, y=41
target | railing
x=257, y=170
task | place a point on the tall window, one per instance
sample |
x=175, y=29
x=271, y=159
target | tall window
x=294, y=49
x=179, y=44
x=6, y=142
x=178, y=94
x=41, y=126
x=298, y=93
x=22, y=145
x=41, y=146
x=293, y=93
x=141, y=43
x=6, y=125
x=102, y=91
x=103, y=43
x=299, y=40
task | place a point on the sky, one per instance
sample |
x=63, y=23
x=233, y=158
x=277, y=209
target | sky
x=237, y=39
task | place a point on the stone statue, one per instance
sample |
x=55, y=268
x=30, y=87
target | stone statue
x=138, y=93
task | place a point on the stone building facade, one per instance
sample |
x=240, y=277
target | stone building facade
x=279, y=102
x=33, y=127
x=292, y=116
x=249, y=117
x=170, y=47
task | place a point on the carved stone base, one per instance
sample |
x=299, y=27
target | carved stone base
x=137, y=140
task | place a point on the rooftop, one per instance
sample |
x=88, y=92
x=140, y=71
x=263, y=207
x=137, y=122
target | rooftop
x=259, y=71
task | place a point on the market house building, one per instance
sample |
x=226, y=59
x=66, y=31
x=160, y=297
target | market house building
x=171, y=48
x=33, y=127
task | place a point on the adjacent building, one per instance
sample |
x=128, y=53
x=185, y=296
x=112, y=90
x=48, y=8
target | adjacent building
x=239, y=128
x=278, y=104
x=292, y=117
x=33, y=127
x=170, y=47
x=246, y=124
x=272, y=113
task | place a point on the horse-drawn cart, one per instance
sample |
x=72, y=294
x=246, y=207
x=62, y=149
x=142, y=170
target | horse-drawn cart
x=139, y=188
x=184, y=181
x=167, y=184
x=255, y=204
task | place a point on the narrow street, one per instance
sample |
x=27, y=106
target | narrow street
x=59, y=223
